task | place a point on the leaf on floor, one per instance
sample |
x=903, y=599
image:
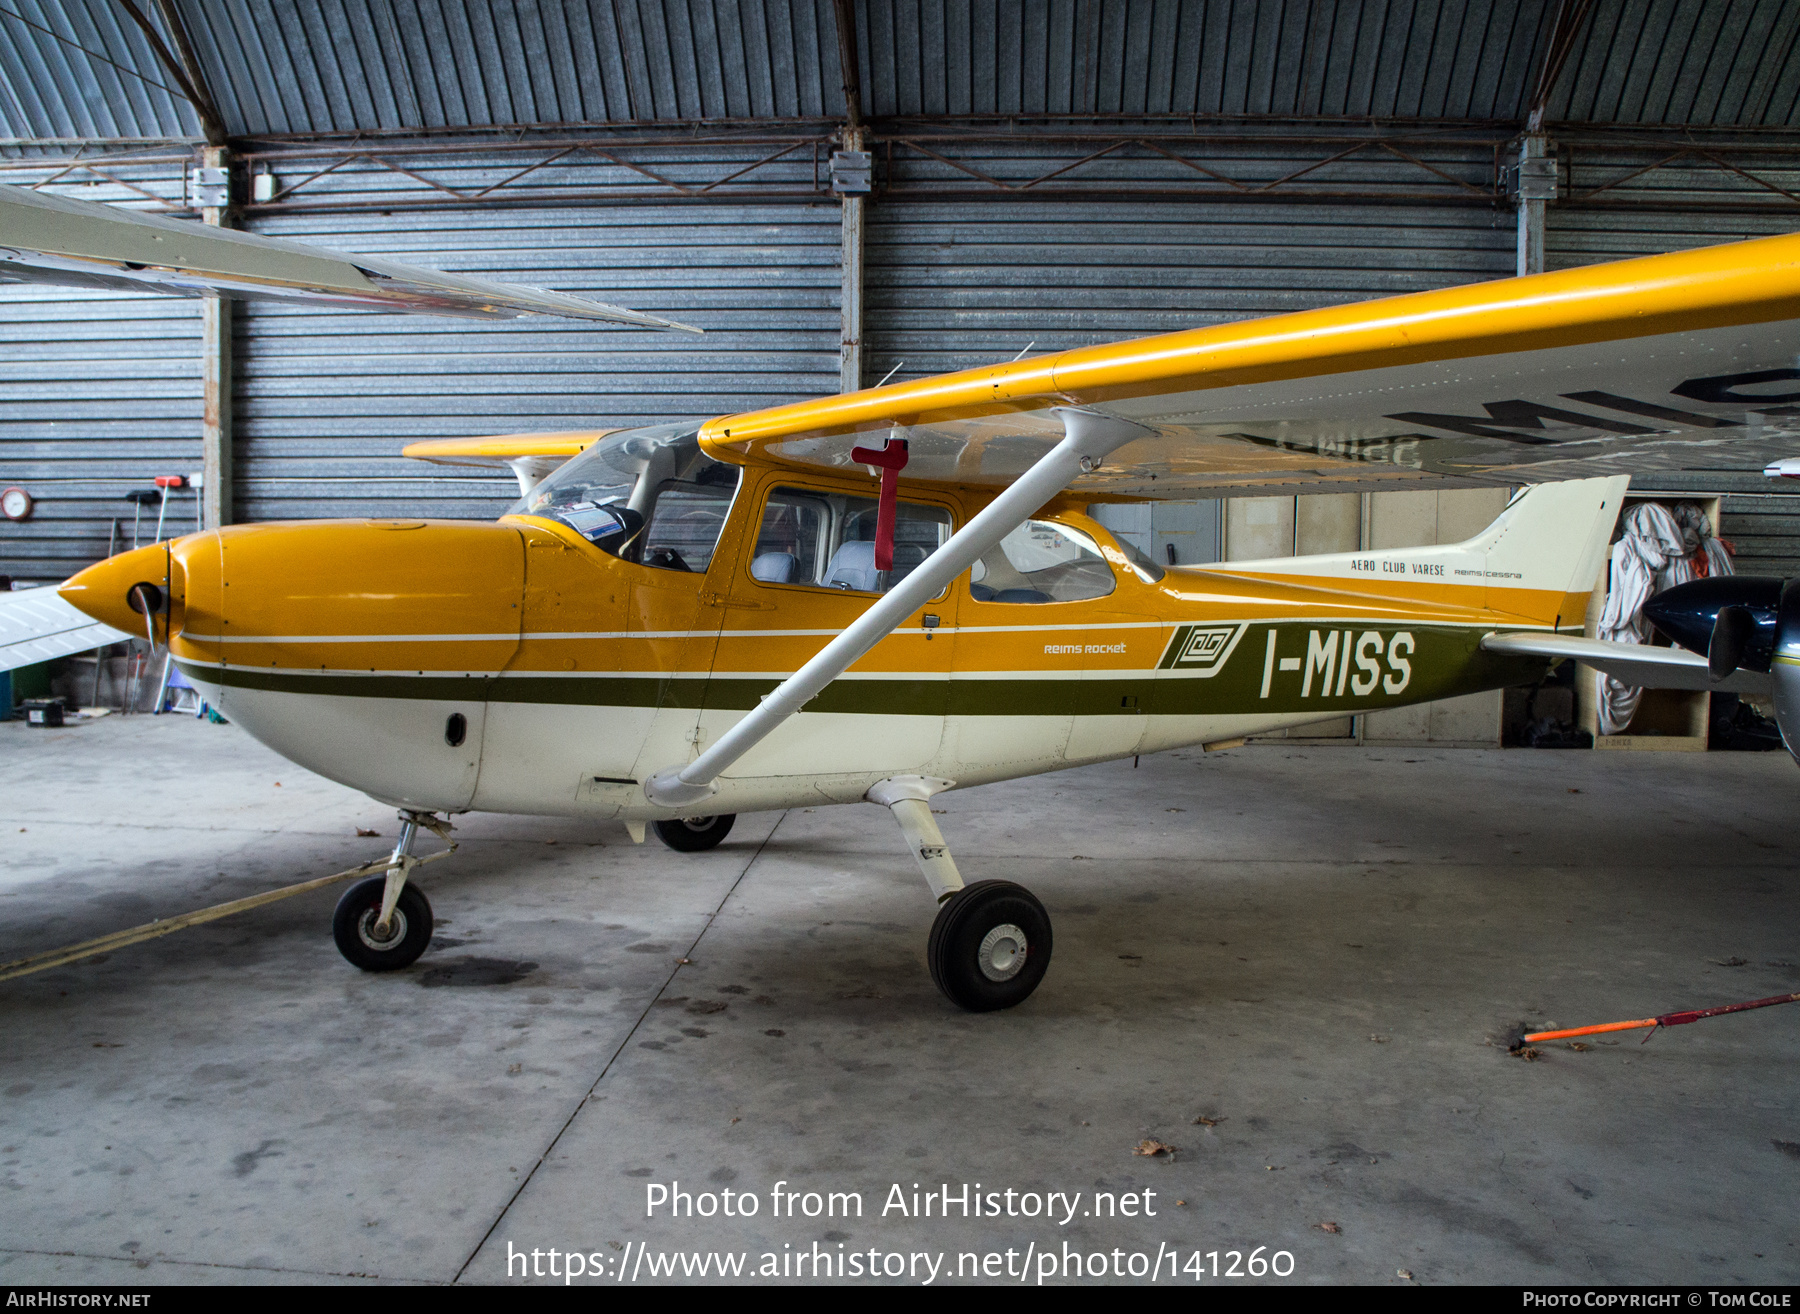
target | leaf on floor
x=367, y=834
x=1149, y=1148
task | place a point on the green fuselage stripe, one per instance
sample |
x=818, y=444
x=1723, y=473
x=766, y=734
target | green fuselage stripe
x=1439, y=663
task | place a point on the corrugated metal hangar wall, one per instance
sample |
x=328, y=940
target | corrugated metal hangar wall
x=1045, y=176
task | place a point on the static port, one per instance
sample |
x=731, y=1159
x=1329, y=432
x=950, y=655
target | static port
x=456, y=729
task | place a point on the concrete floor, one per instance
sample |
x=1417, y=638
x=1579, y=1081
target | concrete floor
x=1316, y=947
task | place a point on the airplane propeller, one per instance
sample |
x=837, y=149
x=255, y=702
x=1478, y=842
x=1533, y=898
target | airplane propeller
x=1731, y=635
x=1741, y=622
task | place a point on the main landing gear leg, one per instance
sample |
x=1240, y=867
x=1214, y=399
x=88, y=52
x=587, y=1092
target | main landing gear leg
x=990, y=944
x=384, y=923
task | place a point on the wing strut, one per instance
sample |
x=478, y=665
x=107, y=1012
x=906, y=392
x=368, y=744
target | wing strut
x=1088, y=437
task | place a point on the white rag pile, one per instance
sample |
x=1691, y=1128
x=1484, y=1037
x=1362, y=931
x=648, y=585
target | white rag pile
x=1660, y=548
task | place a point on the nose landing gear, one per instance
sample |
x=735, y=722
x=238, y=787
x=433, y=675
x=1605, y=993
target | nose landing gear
x=361, y=937
x=382, y=923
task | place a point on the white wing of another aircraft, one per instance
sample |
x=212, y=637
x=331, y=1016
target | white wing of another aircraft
x=36, y=625
x=53, y=239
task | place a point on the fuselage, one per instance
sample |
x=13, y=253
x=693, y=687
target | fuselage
x=516, y=667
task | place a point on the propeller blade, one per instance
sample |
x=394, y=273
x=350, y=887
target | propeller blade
x=1731, y=634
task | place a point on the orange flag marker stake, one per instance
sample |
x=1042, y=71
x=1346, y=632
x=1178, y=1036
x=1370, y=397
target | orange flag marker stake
x=1666, y=1020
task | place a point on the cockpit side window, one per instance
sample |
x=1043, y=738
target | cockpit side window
x=645, y=495
x=688, y=518
x=827, y=540
x=1041, y=562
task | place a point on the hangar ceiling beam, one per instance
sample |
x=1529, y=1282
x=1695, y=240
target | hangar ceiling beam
x=186, y=70
x=1571, y=16
x=849, y=61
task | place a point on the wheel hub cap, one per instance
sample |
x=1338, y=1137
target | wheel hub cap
x=365, y=929
x=1002, y=953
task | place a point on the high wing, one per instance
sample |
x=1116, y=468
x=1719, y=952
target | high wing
x=1641, y=365
x=36, y=625
x=1643, y=666
x=54, y=239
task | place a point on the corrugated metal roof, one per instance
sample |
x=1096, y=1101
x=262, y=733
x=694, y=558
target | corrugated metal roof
x=82, y=69
x=1459, y=59
x=294, y=66
x=1685, y=62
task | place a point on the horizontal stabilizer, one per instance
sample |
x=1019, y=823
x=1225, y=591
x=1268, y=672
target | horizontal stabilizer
x=1643, y=666
x=37, y=625
x=58, y=240
x=530, y=456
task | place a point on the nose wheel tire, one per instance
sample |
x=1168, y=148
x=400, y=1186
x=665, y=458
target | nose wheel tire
x=989, y=946
x=694, y=834
x=353, y=926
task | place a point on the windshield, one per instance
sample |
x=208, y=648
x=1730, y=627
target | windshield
x=646, y=495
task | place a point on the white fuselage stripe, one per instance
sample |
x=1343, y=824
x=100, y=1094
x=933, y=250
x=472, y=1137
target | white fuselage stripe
x=1489, y=623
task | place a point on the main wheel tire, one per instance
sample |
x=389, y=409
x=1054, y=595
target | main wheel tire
x=353, y=926
x=989, y=946
x=694, y=834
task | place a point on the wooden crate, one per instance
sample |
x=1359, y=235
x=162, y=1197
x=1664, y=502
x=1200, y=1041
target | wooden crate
x=1667, y=720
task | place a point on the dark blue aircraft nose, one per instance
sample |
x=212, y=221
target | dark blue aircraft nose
x=1688, y=612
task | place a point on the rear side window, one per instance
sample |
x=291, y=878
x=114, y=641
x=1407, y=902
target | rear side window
x=827, y=540
x=1041, y=562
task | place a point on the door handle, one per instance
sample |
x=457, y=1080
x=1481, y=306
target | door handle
x=741, y=604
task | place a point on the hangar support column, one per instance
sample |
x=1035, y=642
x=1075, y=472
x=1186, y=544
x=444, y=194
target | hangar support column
x=850, y=354
x=1534, y=185
x=215, y=355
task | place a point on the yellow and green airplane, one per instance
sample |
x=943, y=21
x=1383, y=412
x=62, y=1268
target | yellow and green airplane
x=888, y=594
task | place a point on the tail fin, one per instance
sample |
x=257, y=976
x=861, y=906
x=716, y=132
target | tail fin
x=1551, y=539
x=1537, y=561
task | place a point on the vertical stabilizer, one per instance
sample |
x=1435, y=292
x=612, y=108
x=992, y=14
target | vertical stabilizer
x=1552, y=538
x=1537, y=561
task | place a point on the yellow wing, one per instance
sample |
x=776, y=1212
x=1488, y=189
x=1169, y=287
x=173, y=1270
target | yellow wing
x=1640, y=365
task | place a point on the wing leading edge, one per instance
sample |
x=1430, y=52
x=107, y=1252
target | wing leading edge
x=1620, y=368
